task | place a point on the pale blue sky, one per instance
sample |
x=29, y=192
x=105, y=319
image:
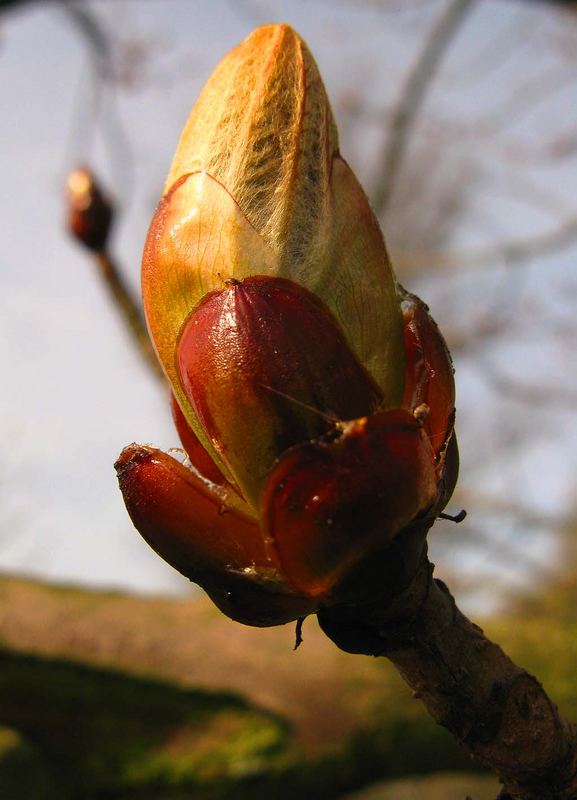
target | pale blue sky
x=74, y=390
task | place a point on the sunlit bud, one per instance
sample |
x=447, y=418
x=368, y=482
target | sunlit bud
x=313, y=396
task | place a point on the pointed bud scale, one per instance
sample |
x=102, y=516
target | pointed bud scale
x=263, y=128
x=161, y=493
x=329, y=504
x=429, y=382
x=267, y=348
x=206, y=534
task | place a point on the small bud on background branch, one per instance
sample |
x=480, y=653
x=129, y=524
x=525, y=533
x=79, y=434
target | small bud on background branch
x=89, y=221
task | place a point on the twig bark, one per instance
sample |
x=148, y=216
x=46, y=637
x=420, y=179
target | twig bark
x=498, y=712
x=128, y=309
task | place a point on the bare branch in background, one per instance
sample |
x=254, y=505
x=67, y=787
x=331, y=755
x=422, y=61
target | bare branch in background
x=499, y=551
x=523, y=101
x=411, y=99
x=93, y=34
x=107, y=65
x=526, y=394
x=528, y=517
x=90, y=217
x=128, y=309
x=513, y=253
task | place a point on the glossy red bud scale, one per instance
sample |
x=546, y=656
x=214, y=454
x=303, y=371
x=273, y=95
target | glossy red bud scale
x=268, y=349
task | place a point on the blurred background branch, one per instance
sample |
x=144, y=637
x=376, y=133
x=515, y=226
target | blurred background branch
x=412, y=95
x=90, y=218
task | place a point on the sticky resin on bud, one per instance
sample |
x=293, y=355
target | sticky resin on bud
x=265, y=367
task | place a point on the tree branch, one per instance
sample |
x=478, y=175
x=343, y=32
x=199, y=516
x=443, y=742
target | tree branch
x=499, y=713
x=90, y=215
x=411, y=99
x=129, y=311
x=514, y=253
x=537, y=396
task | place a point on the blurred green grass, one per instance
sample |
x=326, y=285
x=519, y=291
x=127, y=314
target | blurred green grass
x=447, y=786
x=108, y=696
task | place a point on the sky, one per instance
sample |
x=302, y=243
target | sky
x=74, y=390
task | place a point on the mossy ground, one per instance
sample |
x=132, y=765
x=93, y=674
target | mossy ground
x=105, y=734
x=24, y=772
x=446, y=786
x=108, y=696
